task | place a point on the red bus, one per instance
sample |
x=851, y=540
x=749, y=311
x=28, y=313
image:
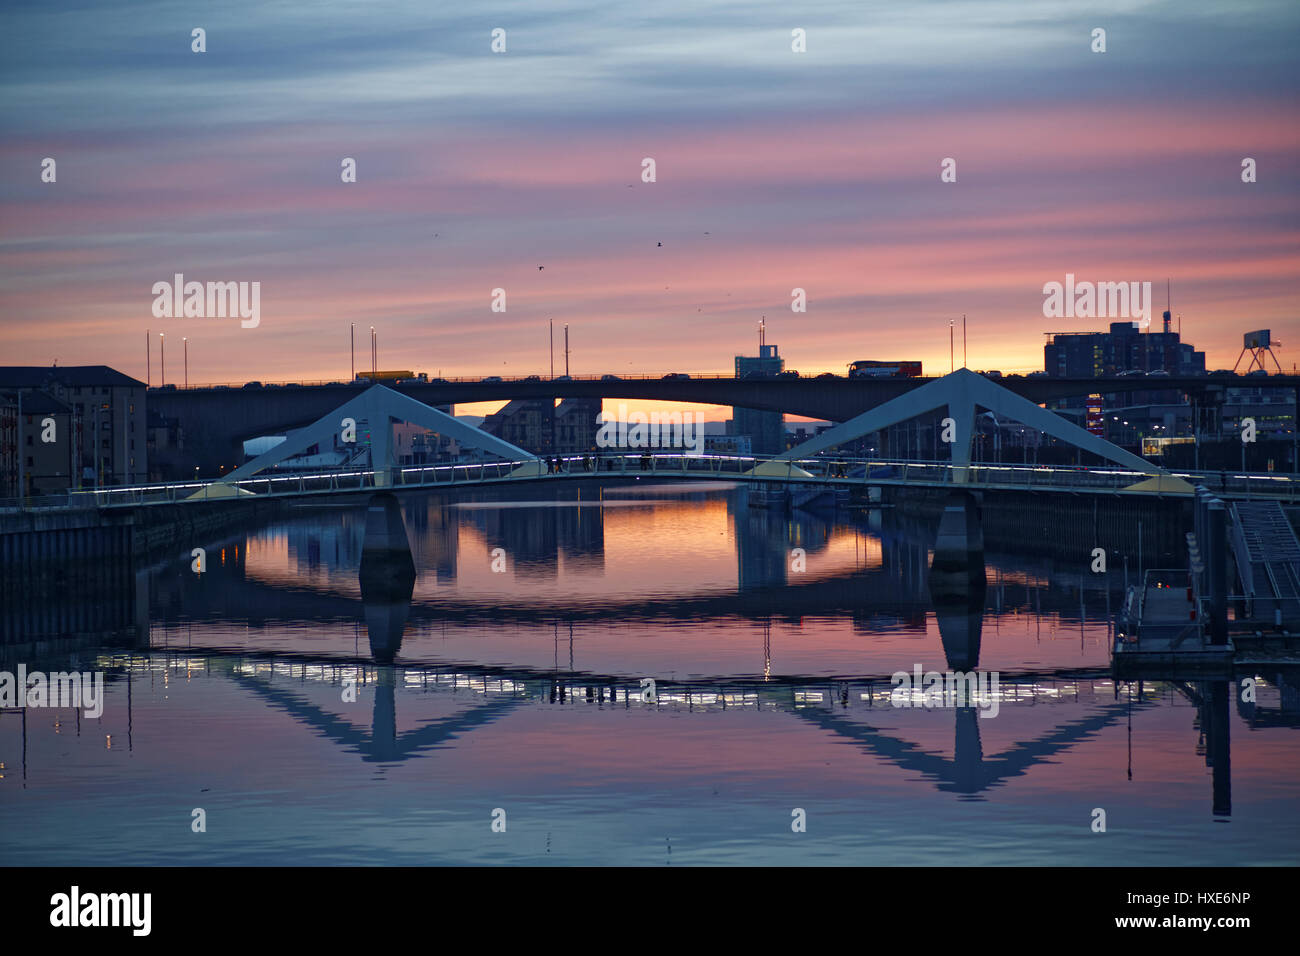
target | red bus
x=868, y=368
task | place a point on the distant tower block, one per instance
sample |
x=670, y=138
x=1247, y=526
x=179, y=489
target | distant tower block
x=1258, y=344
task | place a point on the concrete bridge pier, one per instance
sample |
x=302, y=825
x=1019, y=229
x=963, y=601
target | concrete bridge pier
x=961, y=533
x=1211, y=530
x=957, y=581
x=387, y=576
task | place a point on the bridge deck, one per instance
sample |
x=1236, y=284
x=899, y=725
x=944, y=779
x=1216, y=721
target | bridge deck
x=833, y=472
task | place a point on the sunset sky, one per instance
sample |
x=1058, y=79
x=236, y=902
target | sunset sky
x=775, y=170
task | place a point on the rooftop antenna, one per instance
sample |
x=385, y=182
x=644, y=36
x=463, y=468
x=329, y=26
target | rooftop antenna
x=1167, y=307
x=762, y=333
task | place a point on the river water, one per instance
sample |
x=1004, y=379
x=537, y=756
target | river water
x=646, y=675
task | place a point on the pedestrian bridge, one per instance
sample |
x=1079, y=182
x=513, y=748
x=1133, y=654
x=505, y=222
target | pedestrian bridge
x=814, y=463
x=830, y=473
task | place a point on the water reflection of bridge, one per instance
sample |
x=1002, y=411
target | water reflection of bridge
x=856, y=710
x=893, y=590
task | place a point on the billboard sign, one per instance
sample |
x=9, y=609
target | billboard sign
x=1096, y=418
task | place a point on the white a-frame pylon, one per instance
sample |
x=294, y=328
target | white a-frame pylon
x=960, y=392
x=379, y=406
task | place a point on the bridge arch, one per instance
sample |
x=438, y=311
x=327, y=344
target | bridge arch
x=959, y=393
x=380, y=406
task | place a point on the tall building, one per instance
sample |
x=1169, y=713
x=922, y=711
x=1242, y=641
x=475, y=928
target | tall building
x=103, y=440
x=540, y=426
x=576, y=426
x=766, y=430
x=767, y=364
x=1124, y=348
x=44, y=454
x=528, y=423
x=8, y=445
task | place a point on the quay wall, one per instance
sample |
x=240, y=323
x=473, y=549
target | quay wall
x=1050, y=524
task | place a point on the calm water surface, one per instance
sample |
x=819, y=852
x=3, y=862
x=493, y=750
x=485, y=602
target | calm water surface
x=521, y=689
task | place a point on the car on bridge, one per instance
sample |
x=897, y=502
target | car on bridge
x=610, y=378
x=252, y=385
x=492, y=378
x=674, y=376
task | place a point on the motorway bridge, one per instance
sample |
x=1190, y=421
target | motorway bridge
x=216, y=420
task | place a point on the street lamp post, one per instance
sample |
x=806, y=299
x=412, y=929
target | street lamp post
x=162, y=356
x=186, y=343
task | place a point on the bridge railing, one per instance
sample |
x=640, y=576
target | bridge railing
x=38, y=503
x=835, y=470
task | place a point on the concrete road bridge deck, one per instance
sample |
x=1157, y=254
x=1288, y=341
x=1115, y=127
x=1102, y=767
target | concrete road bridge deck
x=216, y=420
